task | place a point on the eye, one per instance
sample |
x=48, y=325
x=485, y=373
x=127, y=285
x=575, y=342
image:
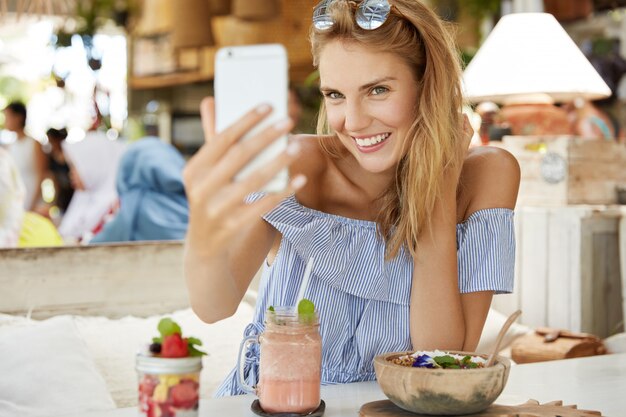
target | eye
x=376, y=91
x=333, y=95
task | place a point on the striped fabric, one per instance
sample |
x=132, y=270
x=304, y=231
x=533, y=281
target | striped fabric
x=363, y=301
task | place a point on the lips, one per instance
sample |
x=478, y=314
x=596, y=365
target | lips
x=371, y=143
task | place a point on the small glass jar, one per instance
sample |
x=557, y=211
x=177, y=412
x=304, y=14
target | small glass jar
x=168, y=386
x=290, y=363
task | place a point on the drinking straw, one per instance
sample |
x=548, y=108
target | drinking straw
x=305, y=280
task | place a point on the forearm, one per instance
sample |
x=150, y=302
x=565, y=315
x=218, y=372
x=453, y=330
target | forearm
x=212, y=288
x=436, y=314
x=218, y=276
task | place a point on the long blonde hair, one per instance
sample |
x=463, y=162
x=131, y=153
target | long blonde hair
x=419, y=37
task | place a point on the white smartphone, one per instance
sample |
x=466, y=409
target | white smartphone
x=246, y=77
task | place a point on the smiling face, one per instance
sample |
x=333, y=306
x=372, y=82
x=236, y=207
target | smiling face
x=370, y=100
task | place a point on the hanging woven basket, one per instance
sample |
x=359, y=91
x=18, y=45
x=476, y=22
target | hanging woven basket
x=191, y=24
x=219, y=7
x=256, y=9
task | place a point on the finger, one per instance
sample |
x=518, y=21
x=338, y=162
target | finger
x=255, y=181
x=207, y=114
x=263, y=206
x=212, y=152
x=240, y=155
x=221, y=187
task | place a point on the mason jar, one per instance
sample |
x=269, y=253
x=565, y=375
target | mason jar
x=168, y=386
x=290, y=363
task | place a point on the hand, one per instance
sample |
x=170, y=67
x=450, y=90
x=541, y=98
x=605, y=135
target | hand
x=216, y=203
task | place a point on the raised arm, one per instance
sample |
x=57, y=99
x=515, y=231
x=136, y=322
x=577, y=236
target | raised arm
x=436, y=316
x=227, y=239
x=490, y=179
x=441, y=317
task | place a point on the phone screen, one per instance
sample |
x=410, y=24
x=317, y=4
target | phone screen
x=246, y=77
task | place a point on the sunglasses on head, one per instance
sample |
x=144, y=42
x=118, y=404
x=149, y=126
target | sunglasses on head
x=370, y=14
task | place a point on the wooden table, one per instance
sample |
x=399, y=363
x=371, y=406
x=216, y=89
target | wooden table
x=596, y=383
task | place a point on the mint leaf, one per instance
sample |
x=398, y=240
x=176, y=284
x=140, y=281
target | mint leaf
x=191, y=349
x=306, y=307
x=168, y=327
x=271, y=308
x=194, y=341
x=306, y=311
x=157, y=340
x=445, y=361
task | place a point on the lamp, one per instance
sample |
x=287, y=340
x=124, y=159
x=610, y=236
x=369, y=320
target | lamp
x=527, y=63
x=530, y=53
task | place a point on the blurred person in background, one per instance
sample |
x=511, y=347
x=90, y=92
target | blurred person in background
x=26, y=153
x=153, y=204
x=19, y=228
x=11, y=201
x=93, y=164
x=589, y=121
x=58, y=169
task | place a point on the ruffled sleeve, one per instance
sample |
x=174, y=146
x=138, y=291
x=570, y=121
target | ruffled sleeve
x=486, y=251
x=348, y=253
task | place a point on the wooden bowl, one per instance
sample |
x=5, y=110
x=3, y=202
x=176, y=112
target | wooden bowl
x=441, y=391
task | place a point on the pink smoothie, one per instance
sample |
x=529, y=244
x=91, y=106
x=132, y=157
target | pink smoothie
x=285, y=396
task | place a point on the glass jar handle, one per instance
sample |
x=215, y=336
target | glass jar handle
x=241, y=362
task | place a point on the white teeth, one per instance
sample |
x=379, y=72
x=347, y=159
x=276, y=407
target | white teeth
x=374, y=140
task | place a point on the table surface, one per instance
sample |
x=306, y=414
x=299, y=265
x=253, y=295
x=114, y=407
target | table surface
x=594, y=383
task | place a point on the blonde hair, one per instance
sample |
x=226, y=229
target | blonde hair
x=418, y=36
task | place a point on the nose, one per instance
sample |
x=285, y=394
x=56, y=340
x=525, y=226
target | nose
x=356, y=116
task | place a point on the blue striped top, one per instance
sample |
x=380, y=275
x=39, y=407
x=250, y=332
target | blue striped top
x=363, y=301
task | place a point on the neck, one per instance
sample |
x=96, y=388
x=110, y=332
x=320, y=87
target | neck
x=368, y=184
x=20, y=133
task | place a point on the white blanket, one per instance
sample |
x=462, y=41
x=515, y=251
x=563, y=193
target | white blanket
x=109, y=346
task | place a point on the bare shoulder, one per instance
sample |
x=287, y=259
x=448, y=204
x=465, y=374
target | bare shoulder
x=489, y=179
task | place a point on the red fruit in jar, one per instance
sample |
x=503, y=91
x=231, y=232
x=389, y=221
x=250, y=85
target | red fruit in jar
x=174, y=347
x=147, y=385
x=185, y=394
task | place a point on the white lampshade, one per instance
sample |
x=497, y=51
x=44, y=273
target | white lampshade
x=527, y=54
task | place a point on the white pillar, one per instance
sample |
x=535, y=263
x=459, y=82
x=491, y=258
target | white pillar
x=506, y=7
x=528, y=6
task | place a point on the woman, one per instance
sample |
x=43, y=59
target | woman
x=153, y=205
x=93, y=163
x=411, y=234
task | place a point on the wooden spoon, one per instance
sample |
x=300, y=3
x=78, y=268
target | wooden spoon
x=503, y=330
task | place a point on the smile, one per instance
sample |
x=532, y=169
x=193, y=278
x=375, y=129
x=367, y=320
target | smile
x=372, y=140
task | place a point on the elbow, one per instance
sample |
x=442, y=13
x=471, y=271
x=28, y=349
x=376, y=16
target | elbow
x=445, y=343
x=211, y=316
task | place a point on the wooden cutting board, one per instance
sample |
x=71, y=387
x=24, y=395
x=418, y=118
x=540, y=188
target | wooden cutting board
x=531, y=408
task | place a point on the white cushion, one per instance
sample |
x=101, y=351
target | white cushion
x=616, y=343
x=493, y=324
x=114, y=343
x=46, y=370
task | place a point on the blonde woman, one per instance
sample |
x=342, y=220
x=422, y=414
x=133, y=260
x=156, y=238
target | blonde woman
x=411, y=233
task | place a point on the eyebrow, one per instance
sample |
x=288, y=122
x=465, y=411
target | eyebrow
x=365, y=86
